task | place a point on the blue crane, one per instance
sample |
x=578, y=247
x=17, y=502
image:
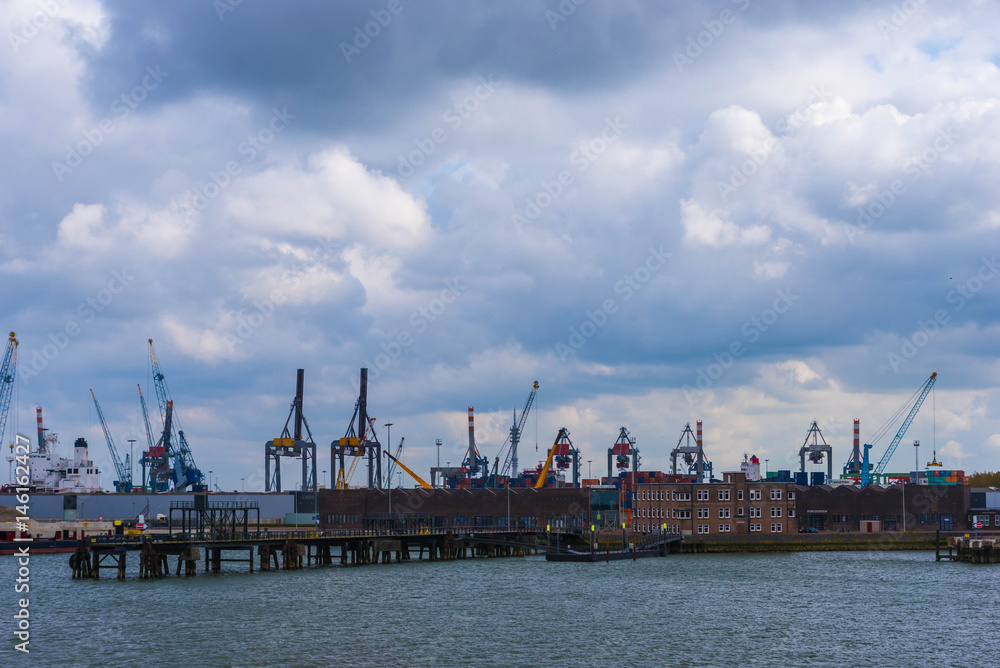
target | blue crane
x=124, y=469
x=917, y=400
x=185, y=472
x=7, y=371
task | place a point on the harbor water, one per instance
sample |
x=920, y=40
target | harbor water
x=803, y=608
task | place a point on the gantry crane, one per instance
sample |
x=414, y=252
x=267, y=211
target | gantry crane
x=916, y=399
x=291, y=444
x=184, y=470
x=356, y=443
x=562, y=451
x=816, y=450
x=8, y=371
x=694, y=455
x=510, y=465
x=123, y=468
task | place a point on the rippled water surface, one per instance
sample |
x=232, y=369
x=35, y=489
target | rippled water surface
x=822, y=609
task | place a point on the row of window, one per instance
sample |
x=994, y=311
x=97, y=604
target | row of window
x=705, y=495
x=775, y=528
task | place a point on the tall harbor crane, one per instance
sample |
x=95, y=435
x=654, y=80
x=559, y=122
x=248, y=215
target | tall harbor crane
x=291, y=444
x=122, y=468
x=914, y=402
x=152, y=457
x=816, y=450
x=357, y=443
x=7, y=372
x=510, y=465
x=184, y=470
x=694, y=455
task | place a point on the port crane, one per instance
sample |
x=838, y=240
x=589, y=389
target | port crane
x=7, y=372
x=184, y=470
x=562, y=447
x=420, y=481
x=816, y=450
x=291, y=444
x=392, y=463
x=510, y=465
x=122, y=468
x=356, y=442
x=914, y=402
x=151, y=458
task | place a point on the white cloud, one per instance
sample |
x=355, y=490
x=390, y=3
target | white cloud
x=333, y=197
x=709, y=228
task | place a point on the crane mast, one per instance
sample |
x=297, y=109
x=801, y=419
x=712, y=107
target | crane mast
x=124, y=469
x=7, y=372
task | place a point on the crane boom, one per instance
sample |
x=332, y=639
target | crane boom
x=510, y=465
x=124, y=469
x=145, y=418
x=880, y=467
x=548, y=460
x=8, y=371
x=420, y=481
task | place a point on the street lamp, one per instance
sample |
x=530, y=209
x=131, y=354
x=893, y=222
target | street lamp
x=324, y=478
x=243, y=484
x=210, y=481
x=590, y=471
x=765, y=467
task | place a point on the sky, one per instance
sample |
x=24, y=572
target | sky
x=753, y=214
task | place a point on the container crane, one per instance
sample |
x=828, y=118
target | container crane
x=917, y=400
x=7, y=373
x=357, y=443
x=185, y=472
x=291, y=444
x=510, y=466
x=562, y=444
x=124, y=469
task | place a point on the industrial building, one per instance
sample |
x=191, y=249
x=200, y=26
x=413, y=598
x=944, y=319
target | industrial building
x=735, y=505
x=875, y=508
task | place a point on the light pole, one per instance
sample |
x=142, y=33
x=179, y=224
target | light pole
x=590, y=470
x=210, y=481
x=131, y=456
x=324, y=478
x=388, y=439
x=243, y=484
x=765, y=467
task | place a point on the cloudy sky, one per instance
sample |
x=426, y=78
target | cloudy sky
x=755, y=214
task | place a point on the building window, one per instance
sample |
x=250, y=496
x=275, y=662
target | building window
x=723, y=495
x=754, y=512
x=724, y=513
x=739, y=495
x=775, y=512
x=776, y=528
x=754, y=528
x=739, y=512
x=703, y=513
x=791, y=512
x=776, y=495
x=791, y=495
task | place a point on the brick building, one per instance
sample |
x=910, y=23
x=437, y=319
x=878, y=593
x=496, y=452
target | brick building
x=732, y=506
x=845, y=507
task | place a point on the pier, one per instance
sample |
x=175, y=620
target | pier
x=971, y=550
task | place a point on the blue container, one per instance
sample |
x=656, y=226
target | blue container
x=801, y=478
x=784, y=476
x=817, y=478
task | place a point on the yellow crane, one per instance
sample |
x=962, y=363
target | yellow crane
x=548, y=460
x=420, y=481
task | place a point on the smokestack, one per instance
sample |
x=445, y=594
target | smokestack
x=299, y=383
x=41, y=431
x=472, y=432
x=857, y=433
x=698, y=435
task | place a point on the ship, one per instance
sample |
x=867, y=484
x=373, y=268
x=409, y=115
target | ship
x=51, y=473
